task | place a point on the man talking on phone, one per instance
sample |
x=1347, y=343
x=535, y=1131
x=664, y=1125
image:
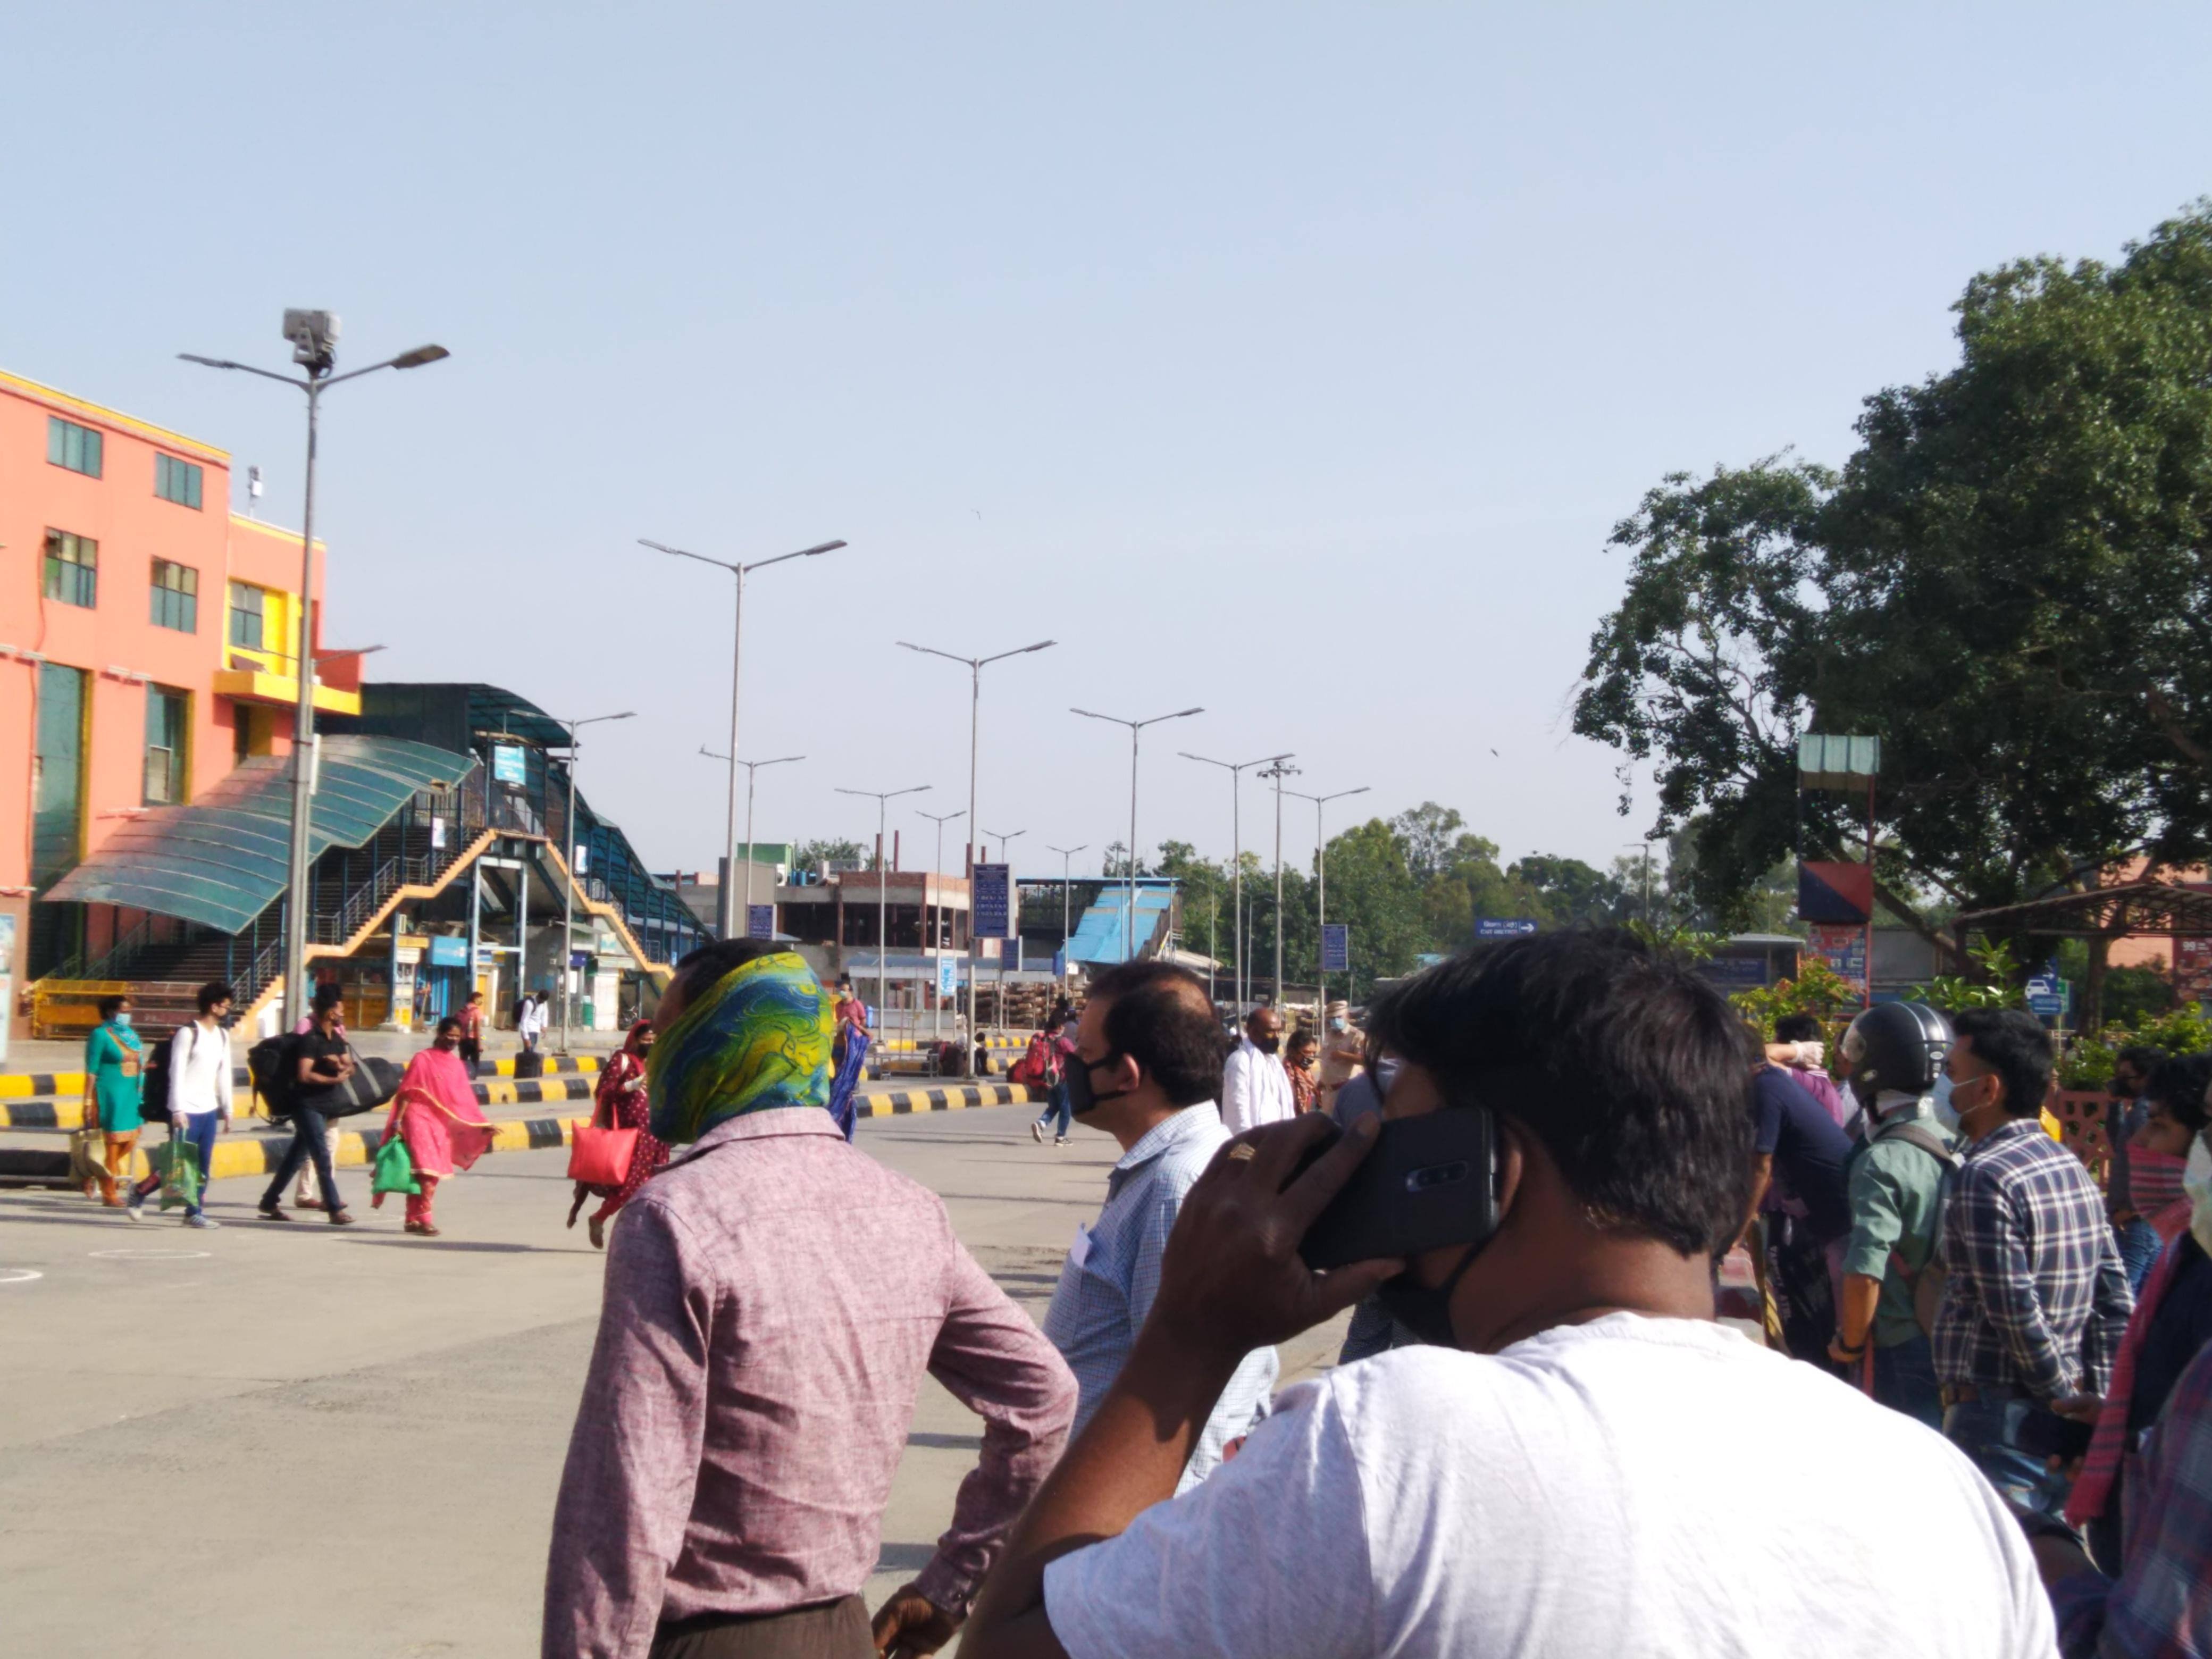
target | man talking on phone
x=1584, y=1463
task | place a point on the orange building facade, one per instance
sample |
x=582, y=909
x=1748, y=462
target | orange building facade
x=148, y=641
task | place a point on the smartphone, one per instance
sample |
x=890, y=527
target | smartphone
x=1428, y=1182
x=2044, y=1433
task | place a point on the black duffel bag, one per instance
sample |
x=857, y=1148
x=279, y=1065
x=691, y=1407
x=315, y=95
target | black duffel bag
x=373, y=1082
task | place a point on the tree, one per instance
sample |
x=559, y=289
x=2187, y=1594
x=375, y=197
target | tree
x=814, y=855
x=2010, y=583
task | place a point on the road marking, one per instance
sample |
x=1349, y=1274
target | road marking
x=152, y=1255
x=19, y=1275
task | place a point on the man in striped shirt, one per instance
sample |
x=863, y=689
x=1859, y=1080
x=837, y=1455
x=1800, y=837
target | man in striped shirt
x=2037, y=1299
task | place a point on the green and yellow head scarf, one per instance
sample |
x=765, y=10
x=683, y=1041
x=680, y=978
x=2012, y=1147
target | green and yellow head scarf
x=756, y=1039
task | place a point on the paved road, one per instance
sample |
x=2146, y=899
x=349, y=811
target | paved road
x=245, y=1442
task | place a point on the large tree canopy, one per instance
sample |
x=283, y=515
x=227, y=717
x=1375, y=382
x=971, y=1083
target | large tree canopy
x=2008, y=583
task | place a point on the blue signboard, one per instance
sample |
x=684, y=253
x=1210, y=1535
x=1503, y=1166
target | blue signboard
x=448, y=950
x=993, y=913
x=1503, y=926
x=760, y=921
x=1335, y=948
x=948, y=976
x=510, y=764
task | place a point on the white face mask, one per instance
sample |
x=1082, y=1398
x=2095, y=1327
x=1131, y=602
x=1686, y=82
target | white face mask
x=2196, y=1187
x=1946, y=1113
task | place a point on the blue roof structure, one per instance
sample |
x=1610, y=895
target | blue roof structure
x=1102, y=936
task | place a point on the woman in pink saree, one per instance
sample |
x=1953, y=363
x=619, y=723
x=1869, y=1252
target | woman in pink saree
x=435, y=1113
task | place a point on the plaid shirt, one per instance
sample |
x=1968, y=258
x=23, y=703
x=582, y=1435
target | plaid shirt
x=2161, y=1606
x=1107, y=1287
x=2037, y=1298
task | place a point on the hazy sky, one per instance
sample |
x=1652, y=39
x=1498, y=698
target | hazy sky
x=1292, y=361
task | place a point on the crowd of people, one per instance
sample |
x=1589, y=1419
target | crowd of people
x=1553, y=1446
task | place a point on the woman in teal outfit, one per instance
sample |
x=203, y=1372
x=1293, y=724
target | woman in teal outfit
x=113, y=1079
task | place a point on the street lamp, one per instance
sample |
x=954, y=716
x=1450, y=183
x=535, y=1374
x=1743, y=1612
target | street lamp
x=1065, y=854
x=722, y=903
x=1281, y=769
x=976, y=665
x=936, y=868
x=568, y=866
x=1007, y=859
x=1644, y=847
x=1236, y=771
x=752, y=772
x=1320, y=899
x=314, y=337
x=883, y=799
x=1129, y=942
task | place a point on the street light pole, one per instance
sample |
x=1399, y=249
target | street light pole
x=1279, y=771
x=1644, y=847
x=568, y=866
x=314, y=336
x=883, y=799
x=1236, y=771
x=1065, y=854
x=723, y=903
x=1129, y=939
x=976, y=665
x=1013, y=905
x=936, y=869
x=1321, y=898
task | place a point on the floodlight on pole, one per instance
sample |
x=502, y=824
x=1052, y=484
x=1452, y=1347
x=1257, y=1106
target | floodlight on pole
x=883, y=799
x=314, y=336
x=568, y=865
x=1136, y=727
x=975, y=665
x=739, y=571
x=1237, y=770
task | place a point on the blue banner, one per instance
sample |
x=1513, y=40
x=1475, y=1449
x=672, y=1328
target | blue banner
x=509, y=764
x=948, y=976
x=993, y=901
x=1503, y=926
x=760, y=921
x=1335, y=948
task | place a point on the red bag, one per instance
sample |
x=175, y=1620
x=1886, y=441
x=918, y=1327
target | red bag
x=600, y=1157
x=1035, y=1066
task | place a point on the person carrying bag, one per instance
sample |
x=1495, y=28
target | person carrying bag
x=598, y=1164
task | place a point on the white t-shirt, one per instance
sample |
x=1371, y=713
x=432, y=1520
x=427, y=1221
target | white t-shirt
x=1254, y=1090
x=1627, y=1488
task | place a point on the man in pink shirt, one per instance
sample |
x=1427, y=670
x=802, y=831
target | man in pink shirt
x=773, y=1299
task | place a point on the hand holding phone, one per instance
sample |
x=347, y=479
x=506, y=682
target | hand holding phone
x=1430, y=1181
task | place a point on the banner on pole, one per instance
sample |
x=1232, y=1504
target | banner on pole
x=760, y=921
x=1335, y=948
x=993, y=901
x=1842, y=946
x=948, y=976
x=509, y=764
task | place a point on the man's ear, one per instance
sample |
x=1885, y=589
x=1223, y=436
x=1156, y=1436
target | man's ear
x=1512, y=1164
x=1128, y=1075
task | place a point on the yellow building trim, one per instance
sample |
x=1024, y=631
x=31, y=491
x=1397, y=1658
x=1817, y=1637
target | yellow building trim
x=275, y=531
x=252, y=685
x=61, y=403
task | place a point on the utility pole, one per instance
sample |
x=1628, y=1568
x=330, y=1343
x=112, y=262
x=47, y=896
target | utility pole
x=1065, y=881
x=568, y=866
x=1237, y=770
x=1281, y=769
x=1136, y=729
x=1321, y=897
x=752, y=777
x=883, y=799
x=936, y=868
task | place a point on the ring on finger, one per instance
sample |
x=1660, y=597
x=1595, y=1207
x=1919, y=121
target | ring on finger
x=1244, y=1152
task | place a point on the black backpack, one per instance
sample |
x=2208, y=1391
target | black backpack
x=270, y=1063
x=154, y=1084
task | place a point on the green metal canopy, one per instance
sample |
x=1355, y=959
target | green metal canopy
x=222, y=859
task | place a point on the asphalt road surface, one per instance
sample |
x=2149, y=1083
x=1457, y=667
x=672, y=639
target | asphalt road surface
x=303, y=1440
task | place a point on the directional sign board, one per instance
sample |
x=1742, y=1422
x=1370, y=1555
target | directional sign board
x=1335, y=948
x=948, y=976
x=1503, y=926
x=994, y=909
x=509, y=764
x=760, y=921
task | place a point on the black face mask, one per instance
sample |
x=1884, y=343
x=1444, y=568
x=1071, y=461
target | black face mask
x=1426, y=1312
x=1080, y=1097
x=1268, y=1045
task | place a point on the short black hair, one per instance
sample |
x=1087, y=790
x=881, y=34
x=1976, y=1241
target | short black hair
x=724, y=956
x=1646, y=1101
x=213, y=992
x=1160, y=1016
x=2179, y=1085
x=109, y=1005
x=328, y=995
x=2145, y=1057
x=1797, y=1028
x=2012, y=1042
x=450, y=1023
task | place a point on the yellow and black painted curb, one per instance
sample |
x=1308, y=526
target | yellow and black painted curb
x=897, y=1102
x=67, y=1112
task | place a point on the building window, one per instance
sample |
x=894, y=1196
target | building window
x=248, y=607
x=169, y=715
x=72, y=569
x=76, y=447
x=176, y=597
x=176, y=481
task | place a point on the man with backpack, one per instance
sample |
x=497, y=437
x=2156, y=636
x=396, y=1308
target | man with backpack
x=198, y=1100
x=1045, y=1066
x=311, y=1069
x=1898, y=1181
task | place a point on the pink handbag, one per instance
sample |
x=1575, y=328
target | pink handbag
x=600, y=1157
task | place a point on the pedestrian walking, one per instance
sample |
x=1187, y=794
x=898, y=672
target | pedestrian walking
x=2036, y=1300
x=435, y=1116
x=200, y=1090
x=472, y=1021
x=1256, y=1090
x=115, y=1090
x=328, y=997
x=621, y=1102
x=848, y=1057
x=772, y=1304
x=1582, y=1460
x=529, y=1021
x=320, y=1062
x=1891, y=1271
x=1060, y=1049
x=1148, y=1052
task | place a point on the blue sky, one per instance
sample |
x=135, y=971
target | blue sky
x=1292, y=361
